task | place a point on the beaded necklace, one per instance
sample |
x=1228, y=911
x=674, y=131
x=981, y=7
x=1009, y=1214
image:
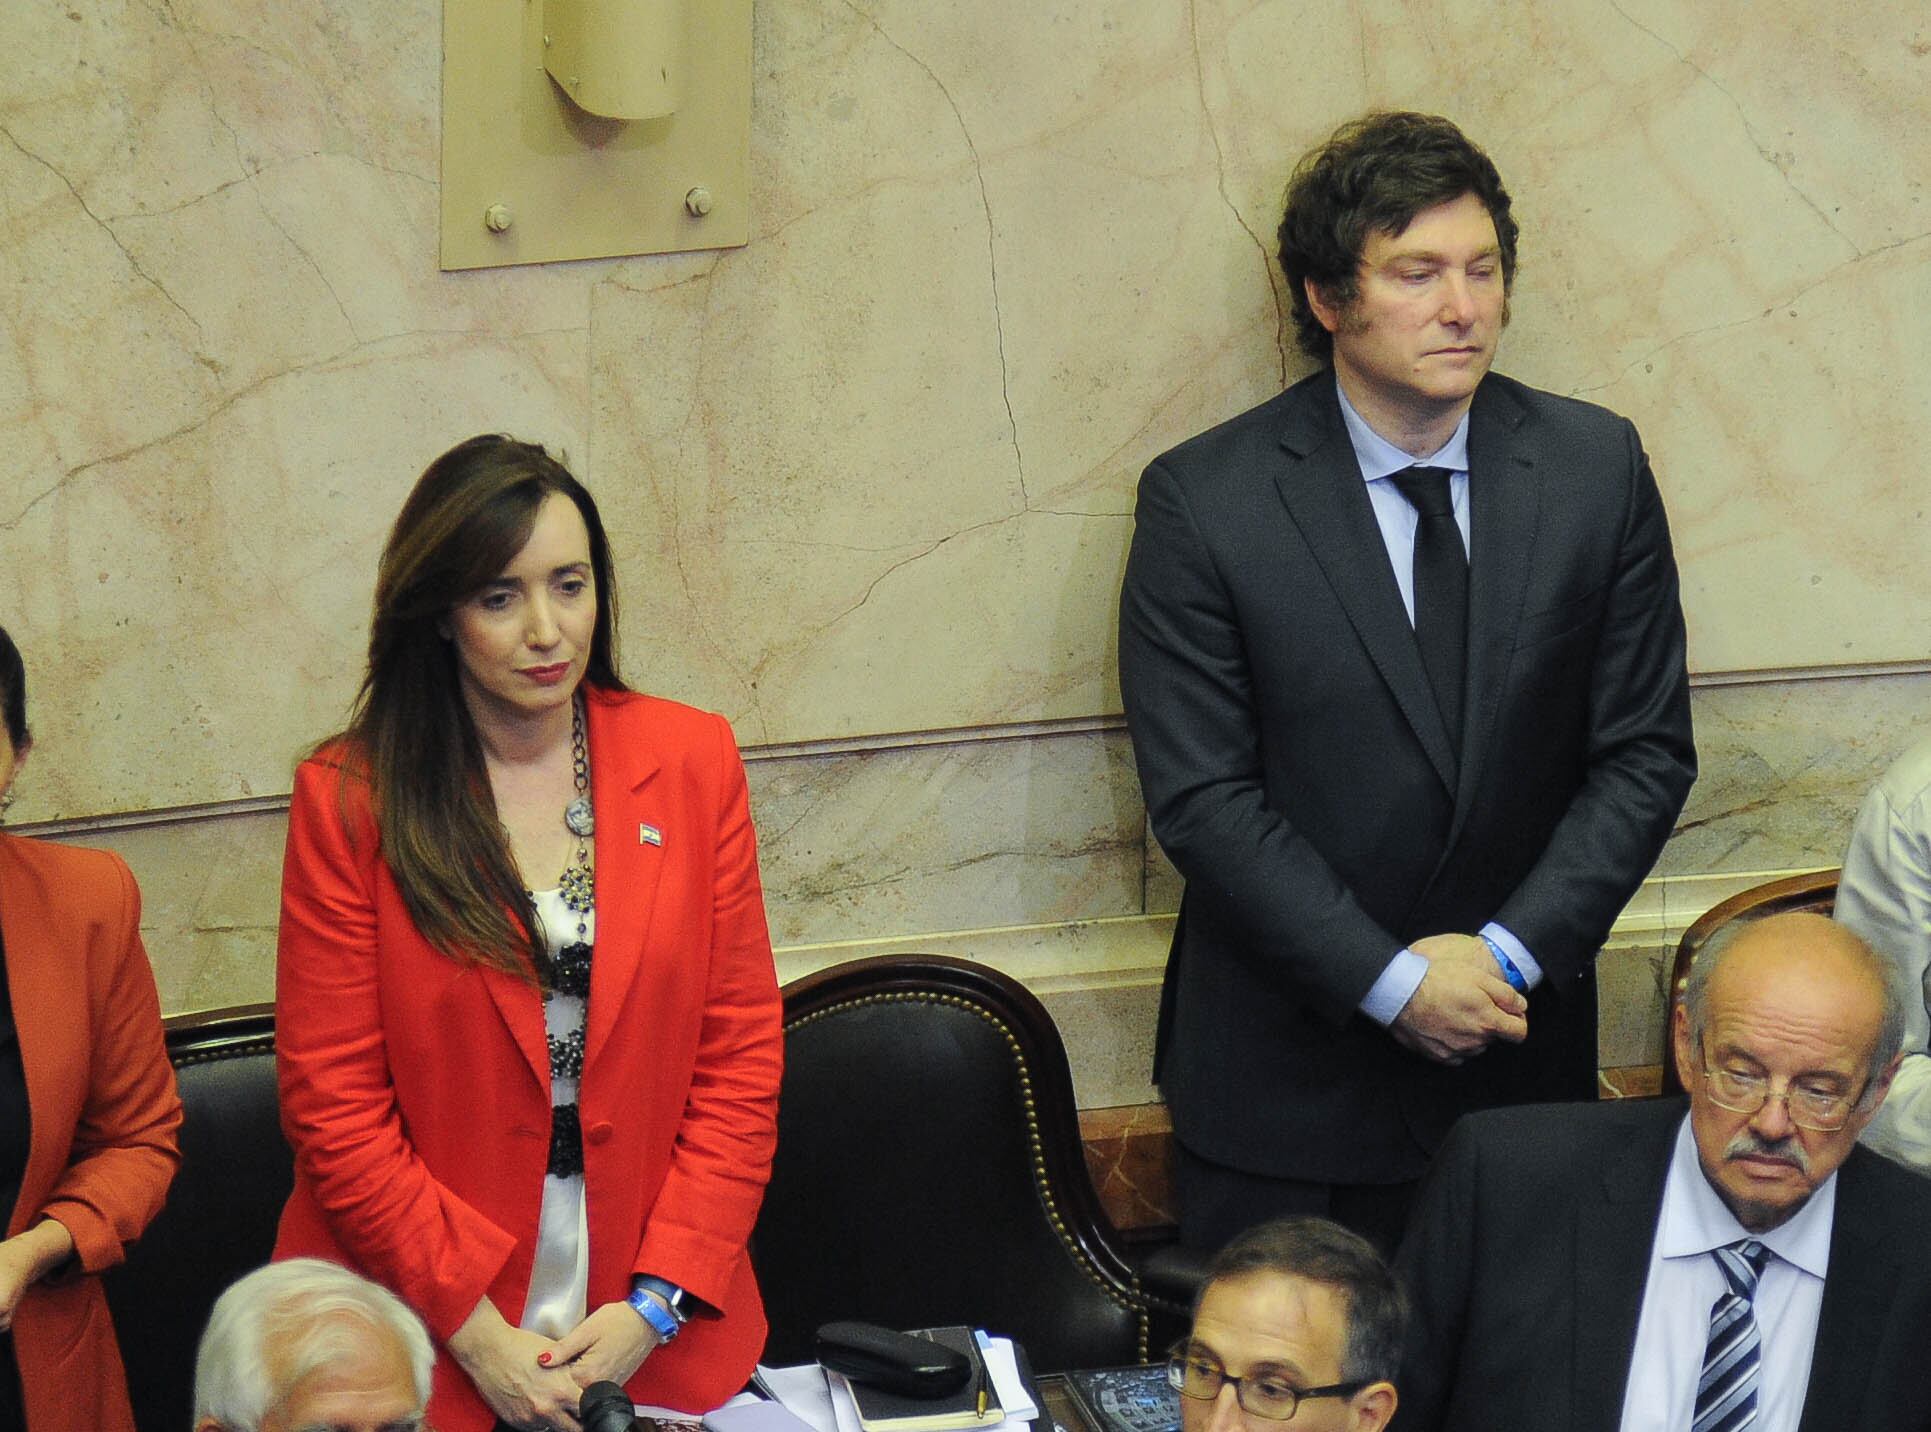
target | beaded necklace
x=570, y=970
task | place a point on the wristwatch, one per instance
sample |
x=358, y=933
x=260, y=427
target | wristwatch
x=666, y=1318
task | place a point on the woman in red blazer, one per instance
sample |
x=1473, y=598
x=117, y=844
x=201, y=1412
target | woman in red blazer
x=88, y=1110
x=527, y=1023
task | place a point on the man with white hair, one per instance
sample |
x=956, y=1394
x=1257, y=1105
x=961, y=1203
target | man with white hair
x=307, y=1346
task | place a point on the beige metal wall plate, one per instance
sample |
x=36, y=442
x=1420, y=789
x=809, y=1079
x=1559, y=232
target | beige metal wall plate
x=531, y=175
x=622, y=59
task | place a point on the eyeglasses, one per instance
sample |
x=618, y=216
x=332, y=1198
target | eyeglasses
x=1194, y=1374
x=1815, y=1109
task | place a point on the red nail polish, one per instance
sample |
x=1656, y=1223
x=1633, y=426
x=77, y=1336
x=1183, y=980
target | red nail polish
x=543, y=1359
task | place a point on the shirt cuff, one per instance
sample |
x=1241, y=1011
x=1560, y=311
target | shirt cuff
x=1389, y=994
x=1517, y=952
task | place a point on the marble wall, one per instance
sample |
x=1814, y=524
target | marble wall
x=1031, y=853
x=871, y=475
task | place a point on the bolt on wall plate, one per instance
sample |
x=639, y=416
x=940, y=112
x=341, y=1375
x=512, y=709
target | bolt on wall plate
x=531, y=175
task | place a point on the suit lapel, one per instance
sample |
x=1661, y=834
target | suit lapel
x=1328, y=501
x=629, y=867
x=1861, y=1285
x=1504, y=495
x=523, y=1016
x=1614, y=1226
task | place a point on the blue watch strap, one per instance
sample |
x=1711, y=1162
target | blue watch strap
x=672, y=1295
x=661, y=1319
x=1510, y=972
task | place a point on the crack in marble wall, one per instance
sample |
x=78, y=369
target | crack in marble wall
x=992, y=239
x=261, y=203
x=753, y=719
x=1276, y=280
x=1781, y=166
x=1769, y=310
x=387, y=344
x=106, y=228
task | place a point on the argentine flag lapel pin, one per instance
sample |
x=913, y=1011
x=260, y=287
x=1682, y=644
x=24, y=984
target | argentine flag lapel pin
x=649, y=835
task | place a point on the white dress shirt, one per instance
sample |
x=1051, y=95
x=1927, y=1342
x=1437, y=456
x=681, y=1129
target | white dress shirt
x=1685, y=1282
x=1885, y=895
x=1379, y=460
x=560, y=1275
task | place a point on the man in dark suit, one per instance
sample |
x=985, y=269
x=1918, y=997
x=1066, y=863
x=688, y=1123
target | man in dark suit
x=1620, y=1266
x=1412, y=737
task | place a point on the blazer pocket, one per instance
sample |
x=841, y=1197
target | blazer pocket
x=1561, y=619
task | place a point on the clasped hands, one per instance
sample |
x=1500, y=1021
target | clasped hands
x=532, y=1382
x=1462, y=1004
x=25, y=1259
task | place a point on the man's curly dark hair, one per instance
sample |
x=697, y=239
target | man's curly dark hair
x=1374, y=175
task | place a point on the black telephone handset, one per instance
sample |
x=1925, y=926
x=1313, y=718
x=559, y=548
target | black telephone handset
x=894, y=1361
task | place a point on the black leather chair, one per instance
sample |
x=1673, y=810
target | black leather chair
x=929, y=1170
x=219, y=1221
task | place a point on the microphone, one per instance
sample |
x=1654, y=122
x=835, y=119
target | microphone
x=606, y=1407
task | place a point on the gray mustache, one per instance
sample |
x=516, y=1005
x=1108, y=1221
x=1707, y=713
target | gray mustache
x=1747, y=1142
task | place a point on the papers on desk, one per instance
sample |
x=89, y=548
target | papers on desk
x=803, y=1391
x=825, y=1401
x=1004, y=1367
x=670, y=1417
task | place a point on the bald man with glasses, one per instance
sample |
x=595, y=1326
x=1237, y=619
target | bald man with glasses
x=1641, y=1266
x=1300, y=1322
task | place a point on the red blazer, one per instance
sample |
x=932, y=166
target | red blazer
x=105, y=1113
x=415, y=1089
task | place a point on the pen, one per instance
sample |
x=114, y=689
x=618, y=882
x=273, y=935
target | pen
x=979, y=1347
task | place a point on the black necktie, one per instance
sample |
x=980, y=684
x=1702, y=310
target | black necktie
x=1441, y=590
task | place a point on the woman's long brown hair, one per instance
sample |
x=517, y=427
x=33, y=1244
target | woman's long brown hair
x=410, y=732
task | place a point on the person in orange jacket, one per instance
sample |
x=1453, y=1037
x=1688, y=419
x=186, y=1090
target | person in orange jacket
x=88, y=1109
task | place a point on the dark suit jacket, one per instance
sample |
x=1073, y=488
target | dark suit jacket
x=1529, y=1251
x=415, y=1089
x=1298, y=773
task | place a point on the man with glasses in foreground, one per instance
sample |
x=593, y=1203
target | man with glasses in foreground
x=1627, y=1266
x=1300, y=1323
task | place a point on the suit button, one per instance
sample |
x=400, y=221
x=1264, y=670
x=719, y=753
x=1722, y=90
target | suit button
x=599, y=1133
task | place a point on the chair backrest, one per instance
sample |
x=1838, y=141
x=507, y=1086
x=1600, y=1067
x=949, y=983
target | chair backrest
x=220, y=1217
x=929, y=1170
x=1816, y=893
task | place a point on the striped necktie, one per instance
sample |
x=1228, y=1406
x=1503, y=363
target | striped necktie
x=1726, y=1393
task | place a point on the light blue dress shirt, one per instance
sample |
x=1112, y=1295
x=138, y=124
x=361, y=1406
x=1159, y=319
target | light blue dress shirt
x=1684, y=1283
x=1379, y=459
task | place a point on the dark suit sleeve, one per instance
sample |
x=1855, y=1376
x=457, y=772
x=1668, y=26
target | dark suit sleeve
x=1641, y=759
x=1187, y=689
x=1434, y=1265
